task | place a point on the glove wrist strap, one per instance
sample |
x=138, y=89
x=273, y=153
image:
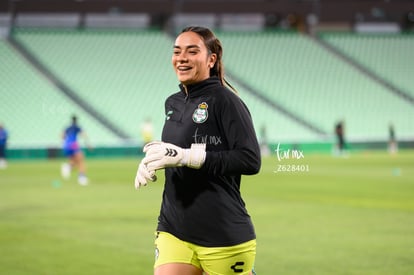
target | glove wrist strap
x=195, y=156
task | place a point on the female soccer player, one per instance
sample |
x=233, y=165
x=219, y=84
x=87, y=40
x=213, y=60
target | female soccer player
x=72, y=150
x=208, y=142
x=3, y=146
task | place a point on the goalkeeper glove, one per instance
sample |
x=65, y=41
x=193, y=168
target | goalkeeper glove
x=160, y=155
x=144, y=175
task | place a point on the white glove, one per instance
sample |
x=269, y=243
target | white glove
x=160, y=155
x=144, y=175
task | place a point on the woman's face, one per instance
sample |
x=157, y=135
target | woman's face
x=190, y=59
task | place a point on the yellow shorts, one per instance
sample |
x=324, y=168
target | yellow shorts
x=237, y=259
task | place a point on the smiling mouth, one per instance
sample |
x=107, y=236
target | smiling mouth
x=183, y=68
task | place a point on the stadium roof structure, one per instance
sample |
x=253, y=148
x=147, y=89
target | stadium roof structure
x=326, y=10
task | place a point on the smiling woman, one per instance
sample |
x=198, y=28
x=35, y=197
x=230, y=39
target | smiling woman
x=197, y=56
x=208, y=143
x=192, y=62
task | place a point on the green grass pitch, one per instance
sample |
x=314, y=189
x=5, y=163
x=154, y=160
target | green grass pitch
x=351, y=215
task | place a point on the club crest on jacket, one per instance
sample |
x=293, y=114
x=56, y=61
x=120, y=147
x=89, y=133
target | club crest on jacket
x=200, y=114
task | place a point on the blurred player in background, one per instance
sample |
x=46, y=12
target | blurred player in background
x=73, y=152
x=392, y=141
x=340, y=138
x=208, y=143
x=264, y=145
x=3, y=146
x=147, y=130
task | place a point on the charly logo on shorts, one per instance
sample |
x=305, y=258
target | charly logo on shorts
x=157, y=253
x=200, y=114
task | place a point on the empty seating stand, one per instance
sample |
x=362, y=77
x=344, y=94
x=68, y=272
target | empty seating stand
x=126, y=76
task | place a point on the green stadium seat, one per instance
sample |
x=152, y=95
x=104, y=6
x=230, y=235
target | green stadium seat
x=127, y=75
x=35, y=112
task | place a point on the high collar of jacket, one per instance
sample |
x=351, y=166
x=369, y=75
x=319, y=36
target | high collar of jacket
x=200, y=88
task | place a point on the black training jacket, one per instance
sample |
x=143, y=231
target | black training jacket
x=204, y=206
